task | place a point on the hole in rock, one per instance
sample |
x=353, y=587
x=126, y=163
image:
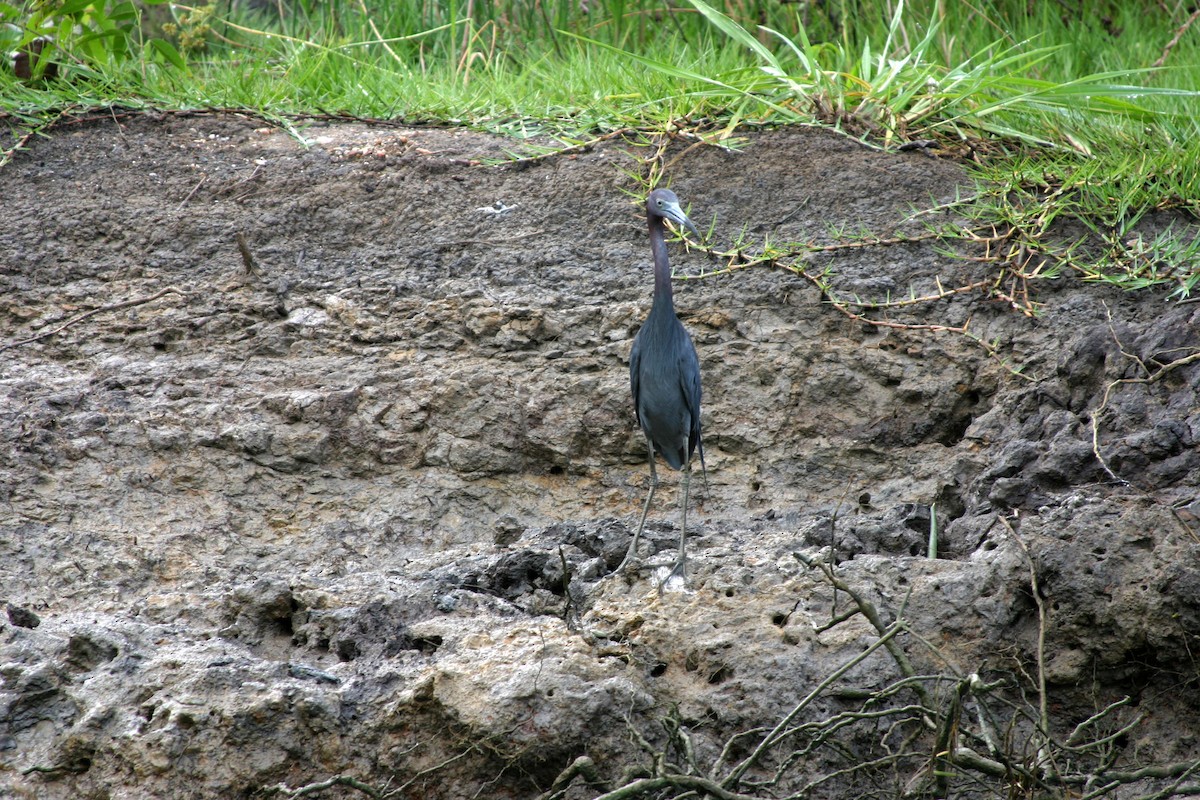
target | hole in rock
x=347, y=650
x=427, y=644
x=720, y=675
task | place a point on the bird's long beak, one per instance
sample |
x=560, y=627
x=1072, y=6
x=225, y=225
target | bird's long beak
x=673, y=212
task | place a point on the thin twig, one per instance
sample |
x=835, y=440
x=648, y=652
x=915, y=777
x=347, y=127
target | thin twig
x=1179, y=770
x=872, y=614
x=23, y=140
x=857, y=767
x=1175, y=40
x=102, y=309
x=780, y=730
x=192, y=193
x=1151, y=377
x=737, y=261
x=877, y=242
x=430, y=770
x=9, y=153
x=940, y=294
x=1077, y=734
x=1043, y=698
x=581, y=147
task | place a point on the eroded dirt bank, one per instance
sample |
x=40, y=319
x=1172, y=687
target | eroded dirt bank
x=348, y=514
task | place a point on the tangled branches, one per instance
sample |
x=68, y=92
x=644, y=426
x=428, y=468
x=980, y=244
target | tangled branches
x=923, y=734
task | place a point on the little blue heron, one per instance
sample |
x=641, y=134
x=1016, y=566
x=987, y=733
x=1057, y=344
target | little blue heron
x=664, y=375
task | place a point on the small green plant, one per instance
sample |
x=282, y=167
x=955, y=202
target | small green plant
x=72, y=38
x=191, y=28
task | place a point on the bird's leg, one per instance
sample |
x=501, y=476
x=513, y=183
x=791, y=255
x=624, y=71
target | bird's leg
x=629, y=556
x=680, y=568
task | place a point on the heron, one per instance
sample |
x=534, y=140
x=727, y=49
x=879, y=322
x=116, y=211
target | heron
x=664, y=376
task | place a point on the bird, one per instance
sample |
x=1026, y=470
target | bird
x=664, y=376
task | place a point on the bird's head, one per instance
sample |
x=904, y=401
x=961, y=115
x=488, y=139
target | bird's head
x=663, y=203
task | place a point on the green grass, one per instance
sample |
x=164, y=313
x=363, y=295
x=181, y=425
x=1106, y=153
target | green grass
x=430, y=59
x=1090, y=106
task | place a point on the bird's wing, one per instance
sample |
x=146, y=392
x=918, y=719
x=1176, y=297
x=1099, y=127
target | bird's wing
x=690, y=377
x=635, y=361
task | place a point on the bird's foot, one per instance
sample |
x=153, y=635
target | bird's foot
x=627, y=563
x=631, y=558
x=676, y=579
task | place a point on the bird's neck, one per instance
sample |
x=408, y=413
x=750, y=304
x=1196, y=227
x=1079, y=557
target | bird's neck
x=662, y=266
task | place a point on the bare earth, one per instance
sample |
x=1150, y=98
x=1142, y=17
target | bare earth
x=349, y=514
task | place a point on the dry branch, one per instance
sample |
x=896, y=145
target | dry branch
x=582, y=767
x=320, y=786
x=781, y=730
x=1161, y=60
x=693, y=783
x=872, y=614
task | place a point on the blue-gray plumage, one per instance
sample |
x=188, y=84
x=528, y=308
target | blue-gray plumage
x=664, y=375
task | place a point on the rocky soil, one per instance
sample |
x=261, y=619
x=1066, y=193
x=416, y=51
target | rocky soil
x=347, y=516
